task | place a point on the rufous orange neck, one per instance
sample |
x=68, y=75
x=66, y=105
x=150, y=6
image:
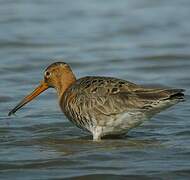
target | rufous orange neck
x=65, y=82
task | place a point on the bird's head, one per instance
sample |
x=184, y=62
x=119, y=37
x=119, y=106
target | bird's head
x=58, y=75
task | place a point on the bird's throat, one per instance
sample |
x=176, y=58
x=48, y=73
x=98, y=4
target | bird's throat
x=64, y=84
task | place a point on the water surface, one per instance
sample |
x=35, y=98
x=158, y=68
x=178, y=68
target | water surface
x=143, y=41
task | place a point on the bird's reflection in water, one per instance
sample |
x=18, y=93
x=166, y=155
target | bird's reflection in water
x=84, y=144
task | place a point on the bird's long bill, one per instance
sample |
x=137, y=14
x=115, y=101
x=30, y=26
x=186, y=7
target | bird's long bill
x=42, y=87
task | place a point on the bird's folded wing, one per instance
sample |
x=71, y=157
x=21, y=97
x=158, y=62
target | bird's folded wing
x=138, y=100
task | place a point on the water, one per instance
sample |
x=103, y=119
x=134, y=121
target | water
x=143, y=41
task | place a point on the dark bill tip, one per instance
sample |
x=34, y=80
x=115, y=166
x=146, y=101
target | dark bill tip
x=42, y=87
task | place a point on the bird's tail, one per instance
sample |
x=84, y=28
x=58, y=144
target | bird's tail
x=175, y=94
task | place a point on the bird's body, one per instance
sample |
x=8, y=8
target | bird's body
x=104, y=105
x=110, y=106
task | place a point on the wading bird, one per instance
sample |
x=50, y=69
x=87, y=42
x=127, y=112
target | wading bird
x=103, y=105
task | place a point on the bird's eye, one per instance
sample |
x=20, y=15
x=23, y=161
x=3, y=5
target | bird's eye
x=47, y=74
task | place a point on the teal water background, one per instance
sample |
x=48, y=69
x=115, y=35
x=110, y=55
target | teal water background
x=147, y=42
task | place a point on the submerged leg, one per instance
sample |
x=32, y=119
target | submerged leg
x=97, y=133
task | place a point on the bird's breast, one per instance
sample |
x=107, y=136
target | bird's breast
x=75, y=108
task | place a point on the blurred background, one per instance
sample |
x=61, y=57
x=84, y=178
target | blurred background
x=147, y=42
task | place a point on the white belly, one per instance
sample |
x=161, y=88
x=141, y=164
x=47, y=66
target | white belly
x=117, y=125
